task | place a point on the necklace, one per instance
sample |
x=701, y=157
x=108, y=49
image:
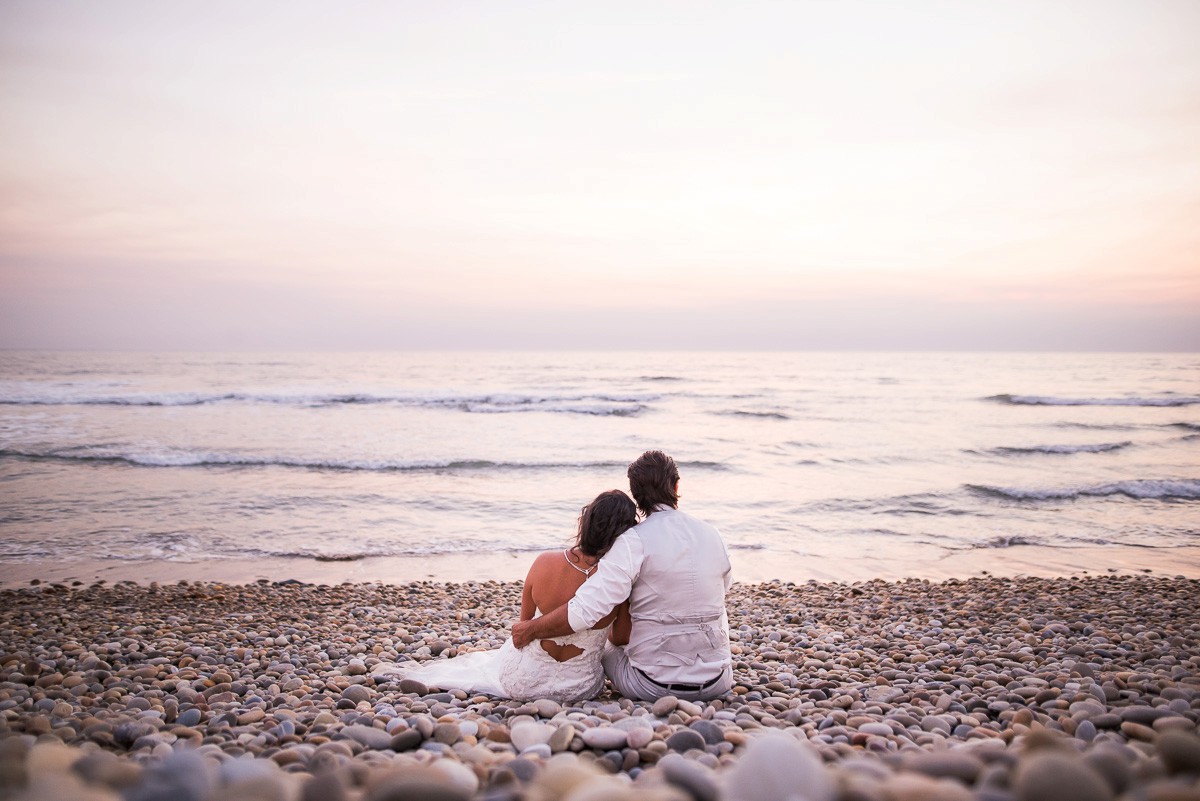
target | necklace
x=584, y=571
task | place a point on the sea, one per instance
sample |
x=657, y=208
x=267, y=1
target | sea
x=804, y=461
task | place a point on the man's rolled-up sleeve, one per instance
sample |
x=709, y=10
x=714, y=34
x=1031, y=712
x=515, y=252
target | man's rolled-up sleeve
x=609, y=587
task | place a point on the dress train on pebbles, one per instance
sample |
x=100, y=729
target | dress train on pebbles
x=523, y=674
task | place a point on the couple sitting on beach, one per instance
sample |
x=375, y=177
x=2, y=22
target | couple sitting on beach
x=643, y=603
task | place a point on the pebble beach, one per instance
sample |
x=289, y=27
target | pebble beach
x=989, y=688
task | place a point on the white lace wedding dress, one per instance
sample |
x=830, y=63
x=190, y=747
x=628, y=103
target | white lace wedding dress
x=508, y=672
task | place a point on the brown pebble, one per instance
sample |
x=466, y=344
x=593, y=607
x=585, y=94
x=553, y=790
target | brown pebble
x=664, y=706
x=448, y=733
x=1180, y=752
x=947, y=764
x=1136, y=731
x=1048, y=775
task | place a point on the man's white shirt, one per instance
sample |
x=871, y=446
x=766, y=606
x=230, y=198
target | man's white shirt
x=675, y=570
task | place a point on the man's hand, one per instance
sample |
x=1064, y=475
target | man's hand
x=522, y=633
x=555, y=624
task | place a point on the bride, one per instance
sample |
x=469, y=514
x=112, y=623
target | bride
x=563, y=668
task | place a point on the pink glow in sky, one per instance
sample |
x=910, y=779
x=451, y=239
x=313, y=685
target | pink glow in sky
x=874, y=175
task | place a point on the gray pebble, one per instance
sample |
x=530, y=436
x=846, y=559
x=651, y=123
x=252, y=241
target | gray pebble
x=691, y=777
x=711, y=732
x=371, y=737
x=685, y=740
x=1057, y=776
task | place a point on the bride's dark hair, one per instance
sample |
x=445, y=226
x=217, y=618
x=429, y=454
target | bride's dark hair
x=603, y=520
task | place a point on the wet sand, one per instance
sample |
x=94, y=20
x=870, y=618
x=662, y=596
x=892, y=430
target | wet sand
x=988, y=688
x=748, y=565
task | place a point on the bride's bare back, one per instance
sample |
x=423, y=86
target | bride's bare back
x=551, y=582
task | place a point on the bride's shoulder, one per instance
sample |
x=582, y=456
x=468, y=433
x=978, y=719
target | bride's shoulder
x=546, y=560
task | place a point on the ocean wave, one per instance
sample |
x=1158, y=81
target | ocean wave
x=1040, y=400
x=186, y=458
x=377, y=550
x=924, y=504
x=1097, y=426
x=1102, y=447
x=1007, y=542
x=1186, y=426
x=622, y=405
x=1138, y=489
x=752, y=413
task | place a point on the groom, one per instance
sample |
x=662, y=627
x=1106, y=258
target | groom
x=674, y=570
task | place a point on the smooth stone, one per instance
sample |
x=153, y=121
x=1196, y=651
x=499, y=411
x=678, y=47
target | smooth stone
x=130, y=732
x=457, y=775
x=1112, y=761
x=326, y=786
x=916, y=787
x=1061, y=777
x=877, y=729
x=529, y=734
x=1086, y=731
x=947, y=764
x=561, y=739
x=664, y=706
x=1179, y=752
x=369, y=736
x=932, y=723
x=539, y=750
x=424, y=786
x=774, y=766
x=406, y=740
x=1174, y=724
x=691, y=777
x=524, y=769
x=711, y=732
x=685, y=740
x=189, y=717
x=1137, y=731
x=447, y=733
x=49, y=759
x=1145, y=715
x=547, y=708
x=251, y=716
x=639, y=738
x=629, y=724
x=412, y=686
x=357, y=693
x=604, y=738
x=181, y=775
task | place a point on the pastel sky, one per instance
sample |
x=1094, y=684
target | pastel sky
x=809, y=174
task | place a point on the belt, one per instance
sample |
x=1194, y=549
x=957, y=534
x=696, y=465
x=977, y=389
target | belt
x=685, y=688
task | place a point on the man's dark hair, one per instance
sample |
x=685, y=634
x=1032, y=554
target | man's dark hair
x=652, y=480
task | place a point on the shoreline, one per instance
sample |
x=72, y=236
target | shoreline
x=1000, y=689
x=750, y=567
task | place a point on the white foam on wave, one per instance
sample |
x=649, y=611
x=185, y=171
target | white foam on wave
x=188, y=458
x=619, y=404
x=1041, y=400
x=163, y=457
x=1138, y=489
